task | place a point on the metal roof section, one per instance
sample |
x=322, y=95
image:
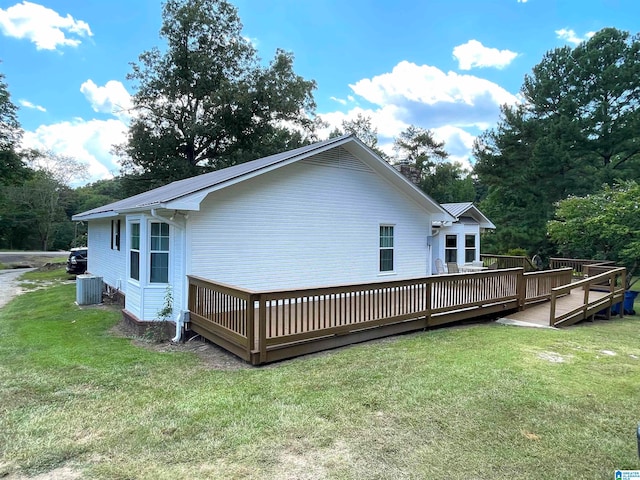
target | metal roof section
x=187, y=194
x=468, y=209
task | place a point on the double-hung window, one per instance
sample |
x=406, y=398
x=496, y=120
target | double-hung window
x=469, y=248
x=386, y=248
x=451, y=249
x=134, y=252
x=159, y=251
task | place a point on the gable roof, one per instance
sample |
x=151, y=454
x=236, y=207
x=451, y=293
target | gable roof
x=188, y=193
x=468, y=209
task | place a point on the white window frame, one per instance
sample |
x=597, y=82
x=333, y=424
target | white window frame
x=132, y=250
x=159, y=249
x=468, y=249
x=385, y=247
x=453, y=251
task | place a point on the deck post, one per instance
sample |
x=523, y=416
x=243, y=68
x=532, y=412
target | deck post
x=262, y=329
x=552, y=309
x=521, y=289
x=587, y=288
x=623, y=282
x=427, y=301
x=251, y=322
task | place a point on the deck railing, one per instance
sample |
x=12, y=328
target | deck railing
x=508, y=261
x=267, y=326
x=578, y=265
x=611, y=282
x=540, y=284
x=225, y=312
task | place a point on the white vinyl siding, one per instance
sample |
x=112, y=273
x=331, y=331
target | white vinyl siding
x=102, y=260
x=146, y=297
x=461, y=234
x=312, y=223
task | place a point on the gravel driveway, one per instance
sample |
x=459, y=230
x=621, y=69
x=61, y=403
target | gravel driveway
x=9, y=287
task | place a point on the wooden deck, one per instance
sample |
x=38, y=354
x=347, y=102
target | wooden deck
x=539, y=314
x=263, y=327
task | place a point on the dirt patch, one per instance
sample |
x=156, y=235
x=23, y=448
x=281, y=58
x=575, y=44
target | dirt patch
x=29, y=259
x=210, y=355
x=62, y=473
x=553, y=357
x=300, y=463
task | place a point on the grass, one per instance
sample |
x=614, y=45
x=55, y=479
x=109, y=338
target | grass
x=482, y=401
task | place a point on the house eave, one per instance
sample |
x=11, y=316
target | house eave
x=191, y=200
x=94, y=216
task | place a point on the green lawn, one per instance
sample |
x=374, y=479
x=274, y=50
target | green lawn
x=482, y=401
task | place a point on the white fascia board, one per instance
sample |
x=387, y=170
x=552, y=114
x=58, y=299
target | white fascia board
x=483, y=221
x=94, y=216
x=487, y=225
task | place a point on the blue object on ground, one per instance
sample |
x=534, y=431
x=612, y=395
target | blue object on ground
x=629, y=298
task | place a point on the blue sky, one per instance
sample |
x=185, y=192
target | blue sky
x=442, y=65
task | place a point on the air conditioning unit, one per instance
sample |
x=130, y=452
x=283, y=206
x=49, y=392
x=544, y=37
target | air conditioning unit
x=88, y=289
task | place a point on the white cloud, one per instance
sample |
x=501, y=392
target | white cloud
x=43, y=26
x=89, y=141
x=341, y=101
x=455, y=107
x=523, y=1
x=255, y=43
x=111, y=98
x=474, y=54
x=458, y=143
x=28, y=104
x=384, y=119
x=571, y=37
x=426, y=96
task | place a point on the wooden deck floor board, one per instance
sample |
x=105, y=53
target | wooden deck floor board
x=540, y=314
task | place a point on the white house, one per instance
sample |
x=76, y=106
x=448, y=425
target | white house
x=330, y=213
x=459, y=241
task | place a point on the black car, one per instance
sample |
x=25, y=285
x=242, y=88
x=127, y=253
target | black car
x=77, y=261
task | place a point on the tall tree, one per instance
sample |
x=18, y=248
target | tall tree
x=12, y=167
x=420, y=149
x=363, y=128
x=449, y=182
x=96, y=194
x=13, y=170
x=206, y=102
x=603, y=225
x=514, y=200
x=578, y=127
x=36, y=209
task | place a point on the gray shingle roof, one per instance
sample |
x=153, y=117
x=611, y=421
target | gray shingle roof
x=181, y=188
